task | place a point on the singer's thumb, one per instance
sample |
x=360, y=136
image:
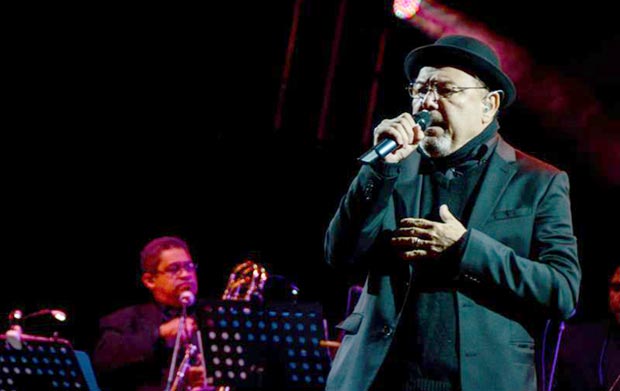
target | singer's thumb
x=445, y=214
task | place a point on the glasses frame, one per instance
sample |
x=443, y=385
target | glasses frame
x=432, y=87
x=189, y=267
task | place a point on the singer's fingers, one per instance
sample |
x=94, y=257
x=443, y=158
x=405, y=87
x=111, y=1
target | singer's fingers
x=422, y=233
x=415, y=222
x=406, y=116
x=408, y=120
x=398, y=129
x=416, y=133
x=410, y=242
x=413, y=254
x=405, y=130
x=384, y=131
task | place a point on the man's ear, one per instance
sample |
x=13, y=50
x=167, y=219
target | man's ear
x=148, y=279
x=491, y=104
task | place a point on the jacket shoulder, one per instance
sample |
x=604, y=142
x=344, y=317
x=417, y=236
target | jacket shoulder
x=532, y=164
x=128, y=314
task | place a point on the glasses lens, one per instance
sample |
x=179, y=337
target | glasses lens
x=420, y=91
x=177, y=267
x=425, y=89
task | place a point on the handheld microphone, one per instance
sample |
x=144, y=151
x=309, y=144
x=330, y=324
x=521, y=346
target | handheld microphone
x=187, y=298
x=422, y=118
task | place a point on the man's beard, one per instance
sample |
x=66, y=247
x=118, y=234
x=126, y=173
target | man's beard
x=437, y=146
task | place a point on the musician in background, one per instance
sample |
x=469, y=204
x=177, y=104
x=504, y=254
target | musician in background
x=135, y=345
x=590, y=354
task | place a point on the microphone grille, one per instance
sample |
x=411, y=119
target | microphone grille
x=423, y=118
x=187, y=298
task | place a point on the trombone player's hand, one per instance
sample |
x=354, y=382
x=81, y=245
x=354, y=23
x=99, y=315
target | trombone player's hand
x=198, y=379
x=168, y=330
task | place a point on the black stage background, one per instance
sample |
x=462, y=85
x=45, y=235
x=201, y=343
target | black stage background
x=122, y=124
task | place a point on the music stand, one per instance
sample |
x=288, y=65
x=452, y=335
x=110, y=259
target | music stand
x=234, y=356
x=41, y=364
x=295, y=331
x=272, y=347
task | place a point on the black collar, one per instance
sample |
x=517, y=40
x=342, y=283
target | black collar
x=476, y=150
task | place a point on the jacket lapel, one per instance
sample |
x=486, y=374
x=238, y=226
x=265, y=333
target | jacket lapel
x=407, y=196
x=501, y=169
x=408, y=191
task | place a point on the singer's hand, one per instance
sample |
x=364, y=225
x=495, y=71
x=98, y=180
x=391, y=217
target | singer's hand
x=168, y=330
x=404, y=131
x=420, y=238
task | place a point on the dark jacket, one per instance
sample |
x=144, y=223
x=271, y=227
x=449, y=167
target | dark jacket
x=518, y=267
x=129, y=354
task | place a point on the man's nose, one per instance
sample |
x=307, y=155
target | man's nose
x=430, y=98
x=184, y=272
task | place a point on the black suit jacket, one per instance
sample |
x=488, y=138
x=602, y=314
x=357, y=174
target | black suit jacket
x=129, y=355
x=518, y=267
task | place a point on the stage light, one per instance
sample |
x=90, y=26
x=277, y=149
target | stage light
x=15, y=315
x=405, y=9
x=59, y=315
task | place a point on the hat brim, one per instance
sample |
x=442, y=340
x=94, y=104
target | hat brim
x=438, y=55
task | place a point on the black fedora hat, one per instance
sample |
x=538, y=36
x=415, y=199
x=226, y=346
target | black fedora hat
x=467, y=53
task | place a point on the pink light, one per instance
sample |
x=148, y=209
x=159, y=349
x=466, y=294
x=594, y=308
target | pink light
x=405, y=9
x=562, y=102
x=15, y=315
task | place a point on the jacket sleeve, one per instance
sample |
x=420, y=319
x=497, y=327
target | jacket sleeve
x=124, y=342
x=550, y=275
x=358, y=220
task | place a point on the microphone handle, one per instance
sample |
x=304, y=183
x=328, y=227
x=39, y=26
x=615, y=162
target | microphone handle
x=385, y=146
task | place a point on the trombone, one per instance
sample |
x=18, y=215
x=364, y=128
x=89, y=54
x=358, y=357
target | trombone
x=246, y=281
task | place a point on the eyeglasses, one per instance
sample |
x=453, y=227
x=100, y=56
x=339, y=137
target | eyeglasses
x=441, y=90
x=615, y=286
x=176, y=268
